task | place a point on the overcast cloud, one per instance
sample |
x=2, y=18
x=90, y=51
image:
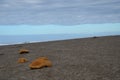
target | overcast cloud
x=64, y=12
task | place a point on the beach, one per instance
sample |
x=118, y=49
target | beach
x=93, y=58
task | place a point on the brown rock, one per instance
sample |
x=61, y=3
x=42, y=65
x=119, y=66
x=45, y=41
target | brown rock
x=40, y=63
x=22, y=51
x=22, y=60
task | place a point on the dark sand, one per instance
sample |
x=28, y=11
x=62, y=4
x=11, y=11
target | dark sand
x=95, y=58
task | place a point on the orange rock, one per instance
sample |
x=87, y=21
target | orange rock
x=22, y=51
x=40, y=63
x=22, y=60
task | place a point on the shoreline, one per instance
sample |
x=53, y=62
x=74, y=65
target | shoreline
x=53, y=40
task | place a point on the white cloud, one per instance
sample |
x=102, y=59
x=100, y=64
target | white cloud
x=19, y=3
x=32, y=1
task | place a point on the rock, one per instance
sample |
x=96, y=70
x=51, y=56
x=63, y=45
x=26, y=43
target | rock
x=40, y=63
x=22, y=60
x=22, y=51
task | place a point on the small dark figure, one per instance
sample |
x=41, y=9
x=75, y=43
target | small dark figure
x=95, y=37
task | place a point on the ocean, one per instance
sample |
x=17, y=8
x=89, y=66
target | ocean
x=18, y=39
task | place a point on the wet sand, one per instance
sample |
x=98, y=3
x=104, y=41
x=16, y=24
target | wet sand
x=95, y=58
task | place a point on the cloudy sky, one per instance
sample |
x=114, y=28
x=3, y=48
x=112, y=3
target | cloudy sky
x=20, y=17
x=60, y=12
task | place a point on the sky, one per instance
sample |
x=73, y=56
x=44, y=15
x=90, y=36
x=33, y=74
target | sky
x=23, y=17
x=59, y=12
x=58, y=29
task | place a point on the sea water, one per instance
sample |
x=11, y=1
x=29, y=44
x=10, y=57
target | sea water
x=57, y=32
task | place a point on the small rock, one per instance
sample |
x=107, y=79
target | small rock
x=22, y=51
x=40, y=63
x=22, y=60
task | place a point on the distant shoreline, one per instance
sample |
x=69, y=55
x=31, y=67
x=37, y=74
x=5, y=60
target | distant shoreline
x=52, y=40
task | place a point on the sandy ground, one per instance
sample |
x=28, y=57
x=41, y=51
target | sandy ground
x=95, y=58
